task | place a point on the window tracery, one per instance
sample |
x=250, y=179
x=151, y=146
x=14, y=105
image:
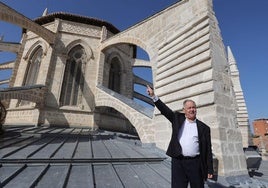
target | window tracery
x=73, y=80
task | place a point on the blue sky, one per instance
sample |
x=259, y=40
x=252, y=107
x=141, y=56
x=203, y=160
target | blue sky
x=243, y=25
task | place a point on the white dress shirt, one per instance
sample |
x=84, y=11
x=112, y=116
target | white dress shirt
x=188, y=138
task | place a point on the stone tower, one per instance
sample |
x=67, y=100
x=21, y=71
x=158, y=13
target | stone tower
x=242, y=113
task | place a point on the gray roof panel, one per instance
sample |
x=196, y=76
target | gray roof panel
x=77, y=157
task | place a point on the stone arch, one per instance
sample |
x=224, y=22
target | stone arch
x=115, y=75
x=33, y=65
x=134, y=40
x=74, y=72
x=87, y=93
x=33, y=61
x=115, y=55
x=139, y=119
x=119, y=61
x=10, y=15
x=132, y=117
x=43, y=45
x=129, y=40
x=87, y=48
x=122, y=39
x=135, y=117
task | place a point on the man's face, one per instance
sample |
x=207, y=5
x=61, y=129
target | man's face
x=190, y=110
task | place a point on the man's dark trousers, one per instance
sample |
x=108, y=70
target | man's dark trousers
x=185, y=170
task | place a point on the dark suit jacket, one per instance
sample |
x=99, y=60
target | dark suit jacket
x=174, y=149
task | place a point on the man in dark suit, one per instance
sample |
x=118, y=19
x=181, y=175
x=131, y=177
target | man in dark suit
x=189, y=147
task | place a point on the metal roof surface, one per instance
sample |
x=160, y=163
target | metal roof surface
x=79, y=157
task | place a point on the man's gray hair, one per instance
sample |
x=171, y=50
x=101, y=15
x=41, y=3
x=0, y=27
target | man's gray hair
x=188, y=100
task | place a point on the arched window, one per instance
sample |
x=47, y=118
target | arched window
x=73, y=80
x=115, y=75
x=32, y=70
x=33, y=67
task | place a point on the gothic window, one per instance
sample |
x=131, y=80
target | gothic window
x=114, y=75
x=33, y=67
x=32, y=70
x=73, y=80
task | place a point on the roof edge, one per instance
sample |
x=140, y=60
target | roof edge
x=76, y=18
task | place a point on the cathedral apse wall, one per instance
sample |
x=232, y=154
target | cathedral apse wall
x=69, y=69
